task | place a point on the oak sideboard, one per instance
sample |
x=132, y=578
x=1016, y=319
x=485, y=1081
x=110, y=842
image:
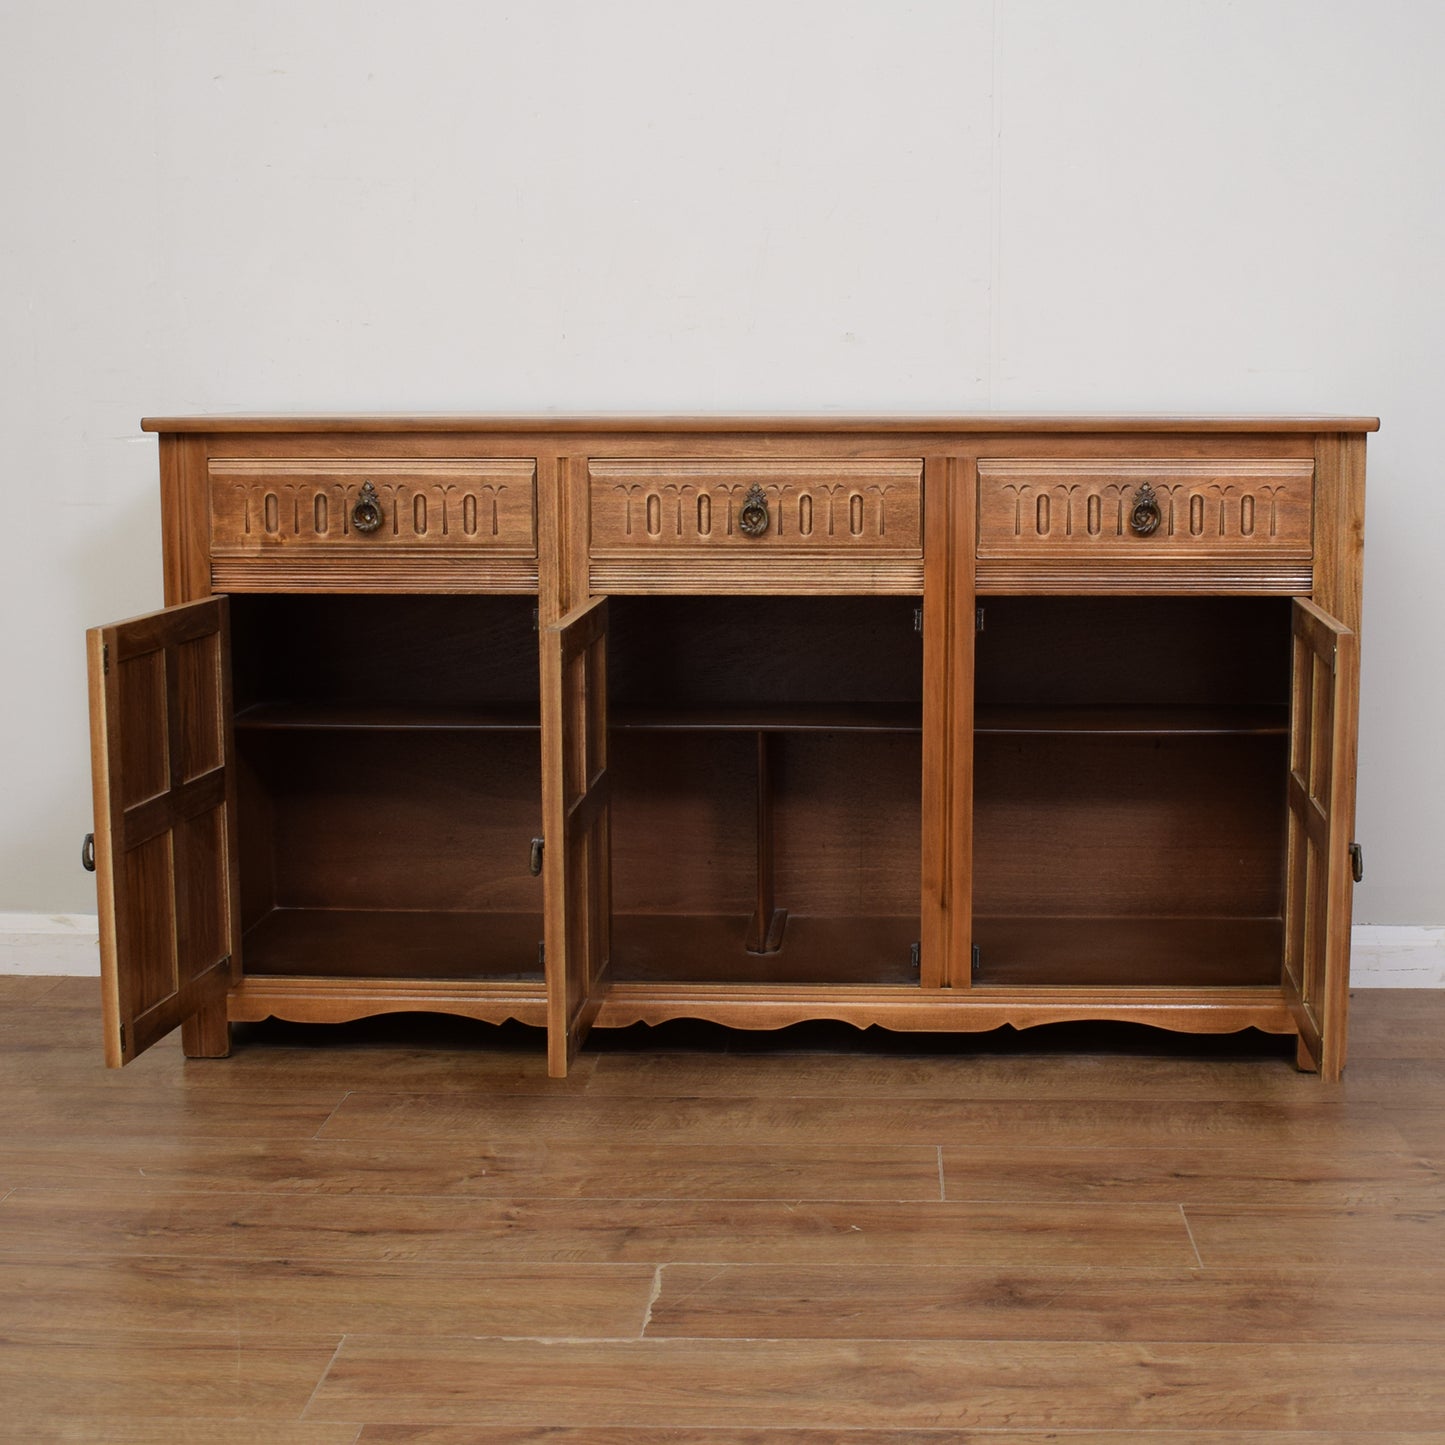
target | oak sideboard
x=931, y=723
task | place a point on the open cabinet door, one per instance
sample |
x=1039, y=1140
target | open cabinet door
x=165, y=830
x=1324, y=698
x=576, y=821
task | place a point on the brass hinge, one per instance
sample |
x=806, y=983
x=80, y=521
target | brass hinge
x=915, y=957
x=978, y=619
x=105, y=659
x=918, y=619
x=122, y=1038
x=541, y=955
x=975, y=960
x=536, y=619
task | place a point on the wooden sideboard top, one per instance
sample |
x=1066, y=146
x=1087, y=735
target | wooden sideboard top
x=1003, y=422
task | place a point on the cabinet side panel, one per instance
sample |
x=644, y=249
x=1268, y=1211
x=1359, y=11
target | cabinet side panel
x=1338, y=591
x=1339, y=525
x=553, y=553
x=185, y=518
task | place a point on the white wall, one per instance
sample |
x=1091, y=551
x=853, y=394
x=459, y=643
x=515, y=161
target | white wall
x=793, y=205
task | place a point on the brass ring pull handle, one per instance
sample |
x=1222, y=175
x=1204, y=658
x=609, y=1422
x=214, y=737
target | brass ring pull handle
x=534, y=863
x=87, y=853
x=753, y=519
x=366, y=514
x=1144, y=517
x=1357, y=863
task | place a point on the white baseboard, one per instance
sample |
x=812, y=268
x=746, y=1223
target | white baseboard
x=50, y=943
x=1397, y=956
x=65, y=943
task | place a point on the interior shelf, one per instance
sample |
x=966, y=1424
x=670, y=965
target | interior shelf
x=1141, y=721
x=692, y=948
x=376, y=943
x=1128, y=952
x=386, y=717
x=877, y=717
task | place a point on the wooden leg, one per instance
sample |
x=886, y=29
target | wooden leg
x=1305, y=1061
x=207, y=1033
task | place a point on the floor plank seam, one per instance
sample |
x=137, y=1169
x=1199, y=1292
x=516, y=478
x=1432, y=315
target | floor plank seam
x=311, y=1398
x=652, y=1299
x=1193, y=1244
x=340, y=1104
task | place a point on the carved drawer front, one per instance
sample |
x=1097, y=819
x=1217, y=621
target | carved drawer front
x=786, y=526
x=1145, y=526
x=421, y=525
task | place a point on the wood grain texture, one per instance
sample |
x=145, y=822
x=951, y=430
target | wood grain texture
x=928, y=508
x=301, y=503
x=288, y=524
x=434, y=574
x=843, y=1385
x=720, y=1238
x=185, y=1430
x=505, y=1170
x=652, y=519
x=1258, y=1305
x=197, y=1374
x=1142, y=578
x=316, y=1000
x=1340, y=525
x=577, y=812
x=185, y=523
x=605, y=423
x=1078, y=509
x=299, y=1297
x=740, y=1435
x=1354, y=1238
x=752, y=1005
x=945, y=1120
x=421, y=1230
x=163, y=767
x=1319, y=888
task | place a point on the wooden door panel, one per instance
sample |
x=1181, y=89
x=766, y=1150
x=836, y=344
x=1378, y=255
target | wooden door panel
x=576, y=802
x=1323, y=703
x=164, y=820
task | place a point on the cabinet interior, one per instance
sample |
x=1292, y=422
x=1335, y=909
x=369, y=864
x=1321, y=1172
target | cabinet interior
x=388, y=785
x=1130, y=803
x=766, y=758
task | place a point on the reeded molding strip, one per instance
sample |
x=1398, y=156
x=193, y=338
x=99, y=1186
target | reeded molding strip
x=810, y=575
x=1231, y=578
x=400, y=572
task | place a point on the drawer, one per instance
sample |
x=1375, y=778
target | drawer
x=1145, y=525
x=373, y=525
x=782, y=525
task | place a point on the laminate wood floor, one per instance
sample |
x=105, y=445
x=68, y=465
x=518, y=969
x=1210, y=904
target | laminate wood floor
x=402, y=1231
